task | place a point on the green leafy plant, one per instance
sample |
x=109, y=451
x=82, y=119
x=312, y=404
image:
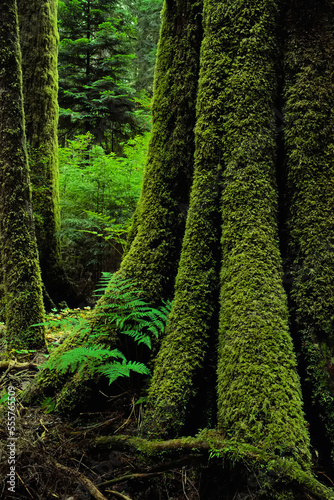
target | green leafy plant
x=98, y=195
x=94, y=358
x=131, y=315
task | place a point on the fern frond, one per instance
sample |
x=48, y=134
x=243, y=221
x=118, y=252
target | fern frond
x=137, y=367
x=138, y=336
x=73, y=359
x=115, y=370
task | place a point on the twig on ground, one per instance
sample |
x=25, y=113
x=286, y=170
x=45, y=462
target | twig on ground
x=87, y=483
x=118, y=495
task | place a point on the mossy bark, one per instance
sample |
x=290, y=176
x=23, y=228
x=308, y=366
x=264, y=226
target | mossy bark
x=195, y=303
x=309, y=140
x=39, y=44
x=19, y=256
x=154, y=253
x=259, y=397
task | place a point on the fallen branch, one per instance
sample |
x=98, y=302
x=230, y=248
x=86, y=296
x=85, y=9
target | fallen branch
x=87, y=483
x=10, y=364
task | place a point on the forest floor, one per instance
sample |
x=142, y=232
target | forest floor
x=57, y=458
x=97, y=453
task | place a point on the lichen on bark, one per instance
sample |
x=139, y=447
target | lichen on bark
x=19, y=256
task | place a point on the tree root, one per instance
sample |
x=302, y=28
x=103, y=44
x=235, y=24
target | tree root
x=228, y=453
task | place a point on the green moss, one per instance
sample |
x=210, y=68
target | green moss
x=154, y=254
x=245, y=470
x=21, y=273
x=39, y=44
x=309, y=139
x=259, y=397
x=192, y=319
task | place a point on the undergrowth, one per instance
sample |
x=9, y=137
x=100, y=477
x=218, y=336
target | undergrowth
x=126, y=311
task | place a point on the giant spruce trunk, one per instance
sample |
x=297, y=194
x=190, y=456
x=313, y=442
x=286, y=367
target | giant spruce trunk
x=228, y=332
x=19, y=258
x=39, y=44
x=309, y=138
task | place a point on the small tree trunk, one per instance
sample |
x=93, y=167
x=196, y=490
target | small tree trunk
x=39, y=43
x=21, y=273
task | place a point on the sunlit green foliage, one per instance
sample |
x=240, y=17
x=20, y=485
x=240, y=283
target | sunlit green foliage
x=99, y=192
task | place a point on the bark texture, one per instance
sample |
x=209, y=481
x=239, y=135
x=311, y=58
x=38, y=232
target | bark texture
x=19, y=256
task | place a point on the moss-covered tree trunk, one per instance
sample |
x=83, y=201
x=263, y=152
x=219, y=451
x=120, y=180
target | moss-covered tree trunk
x=19, y=256
x=259, y=397
x=153, y=257
x=195, y=303
x=39, y=44
x=309, y=139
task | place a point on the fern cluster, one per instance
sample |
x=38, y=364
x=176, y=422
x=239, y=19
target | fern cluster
x=97, y=359
x=131, y=315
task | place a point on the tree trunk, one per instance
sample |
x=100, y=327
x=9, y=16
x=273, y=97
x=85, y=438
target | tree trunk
x=259, y=397
x=39, y=43
x=195, y=305
x=21, y=273
x=154, y=254
x=309, y=139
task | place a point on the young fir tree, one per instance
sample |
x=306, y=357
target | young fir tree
x=39, y=44
x=309, y=139
x=95, y=71
x=19, y=257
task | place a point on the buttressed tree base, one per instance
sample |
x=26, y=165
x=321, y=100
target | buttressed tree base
x=257, y=201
